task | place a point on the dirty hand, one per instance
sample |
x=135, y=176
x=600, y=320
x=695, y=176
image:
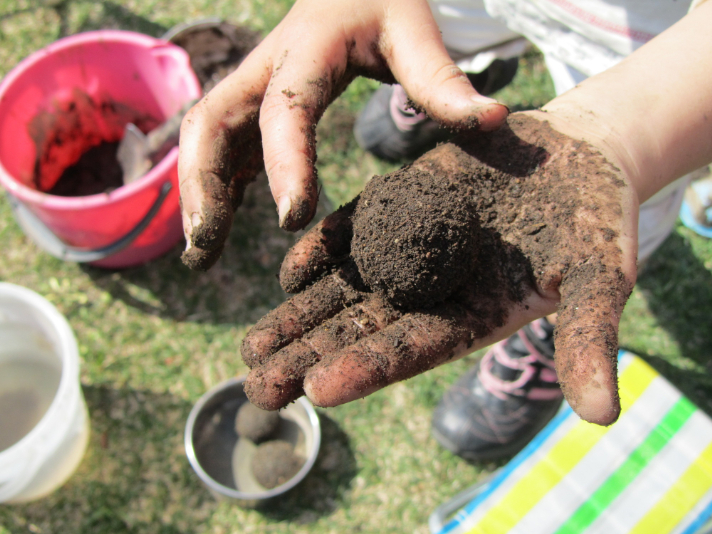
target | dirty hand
x=556, y=231
x=268, y=108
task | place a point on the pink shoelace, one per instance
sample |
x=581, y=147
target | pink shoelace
x=502, y=388
x=404, y=118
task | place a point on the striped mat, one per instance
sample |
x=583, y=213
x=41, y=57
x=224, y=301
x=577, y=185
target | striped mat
x=649, y=473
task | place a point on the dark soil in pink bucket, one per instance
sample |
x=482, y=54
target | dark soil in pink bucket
x=216, y=50
x=97, y=171
x=76, y=143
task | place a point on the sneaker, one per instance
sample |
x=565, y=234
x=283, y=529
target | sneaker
x=390, y=129
x=499, y=405
x=696, y=208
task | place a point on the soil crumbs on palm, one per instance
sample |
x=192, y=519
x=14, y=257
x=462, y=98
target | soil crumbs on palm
x=528, y=185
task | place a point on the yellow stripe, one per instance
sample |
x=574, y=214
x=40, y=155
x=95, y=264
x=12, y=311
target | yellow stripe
x=562, y=457
x=669, y=511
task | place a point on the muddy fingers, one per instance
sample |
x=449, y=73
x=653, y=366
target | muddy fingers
x=586, y=338
x=322, y=247
x=280, y=380
x=554, y=224
x=412, y=345
x=299, y=315
x=220, y=154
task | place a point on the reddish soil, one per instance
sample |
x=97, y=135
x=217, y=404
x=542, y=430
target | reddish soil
x=76, y=144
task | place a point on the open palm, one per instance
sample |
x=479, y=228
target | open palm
x=556, y=233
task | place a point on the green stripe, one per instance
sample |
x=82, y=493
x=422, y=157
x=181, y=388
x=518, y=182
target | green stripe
x=631, y=468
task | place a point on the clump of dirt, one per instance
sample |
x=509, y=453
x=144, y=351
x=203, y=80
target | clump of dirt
x=216, y=50
x=76, y=144
x=255, y=424
x=275, y=462
x=415, y=238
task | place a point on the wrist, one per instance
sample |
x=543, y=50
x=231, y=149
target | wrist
x=578, y=122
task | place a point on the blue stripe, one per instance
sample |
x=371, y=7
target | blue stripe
x=515, y=462
x=502, y=474
x=699, y=520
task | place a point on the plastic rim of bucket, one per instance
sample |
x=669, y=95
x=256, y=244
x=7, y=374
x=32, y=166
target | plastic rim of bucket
x=20, y=462
x=23, y=196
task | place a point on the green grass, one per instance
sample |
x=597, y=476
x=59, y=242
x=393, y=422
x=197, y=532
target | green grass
x=154, y=338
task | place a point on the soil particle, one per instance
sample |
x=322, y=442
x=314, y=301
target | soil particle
x=275, y=462
x=285, y=380
x=255, y=424
x=332, y=240
x=301, y=313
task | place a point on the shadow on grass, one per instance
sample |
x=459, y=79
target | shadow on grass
x=134, y=476
x=678, y=289
x=326, y=486
x=100, y=16
x=105, y=15
x=139, y=479
x=240, y=288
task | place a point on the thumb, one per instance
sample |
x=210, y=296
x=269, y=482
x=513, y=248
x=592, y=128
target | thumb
x=419, y=61
x=586, y=339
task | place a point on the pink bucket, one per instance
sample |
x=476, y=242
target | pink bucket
x=108, y=69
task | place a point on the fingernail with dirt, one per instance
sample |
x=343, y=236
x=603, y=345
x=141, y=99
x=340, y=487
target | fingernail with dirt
x=199, y=259
x=491, y=116
x=189, y=224
x=283, y=209
x=295, y=214
x=481, y=100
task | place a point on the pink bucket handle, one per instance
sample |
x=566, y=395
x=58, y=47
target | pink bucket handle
x=47, y=240
x=166, y=52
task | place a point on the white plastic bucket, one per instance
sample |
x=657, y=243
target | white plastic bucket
x=44, y=425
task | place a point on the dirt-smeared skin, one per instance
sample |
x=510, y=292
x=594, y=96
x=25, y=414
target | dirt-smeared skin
x=329, y=243
x=224, y=187
x=549, y=209
x=224, y=181
x=546, y=217
x=285, y=380
x=301, y=313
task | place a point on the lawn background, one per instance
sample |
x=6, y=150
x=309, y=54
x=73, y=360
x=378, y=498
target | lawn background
x=154, y=338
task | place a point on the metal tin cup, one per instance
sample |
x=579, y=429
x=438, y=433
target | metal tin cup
x=223, y=460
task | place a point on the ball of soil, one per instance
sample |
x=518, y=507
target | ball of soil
x=415, y=237
x=275, y=462
x=255, y=424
